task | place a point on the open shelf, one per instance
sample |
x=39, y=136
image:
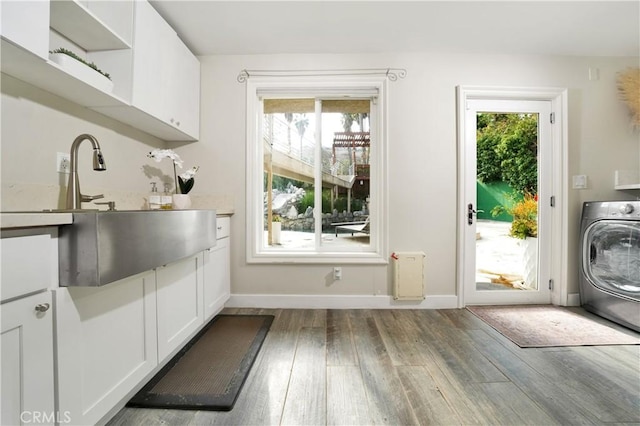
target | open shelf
x=49, y=76
x=80, y=25
x=627, y=179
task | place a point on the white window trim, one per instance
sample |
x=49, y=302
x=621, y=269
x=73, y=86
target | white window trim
x=318, y=87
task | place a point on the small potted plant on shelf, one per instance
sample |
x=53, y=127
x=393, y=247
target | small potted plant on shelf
x=186, y=181
x=81, y=69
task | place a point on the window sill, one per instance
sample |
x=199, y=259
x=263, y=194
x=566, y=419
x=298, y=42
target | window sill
x=315, y=258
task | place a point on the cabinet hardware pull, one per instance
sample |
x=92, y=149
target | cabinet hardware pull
x=42, y=307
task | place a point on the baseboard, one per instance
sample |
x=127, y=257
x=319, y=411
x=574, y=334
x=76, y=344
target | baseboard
x=573, y=299
x=304, y=301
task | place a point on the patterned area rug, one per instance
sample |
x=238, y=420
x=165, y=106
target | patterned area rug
x=536, y=326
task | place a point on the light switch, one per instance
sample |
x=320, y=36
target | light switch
x=580, y=182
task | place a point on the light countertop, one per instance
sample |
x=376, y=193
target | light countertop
x=9, y=220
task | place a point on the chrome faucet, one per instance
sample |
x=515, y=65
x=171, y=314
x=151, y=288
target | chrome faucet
x=74, y=197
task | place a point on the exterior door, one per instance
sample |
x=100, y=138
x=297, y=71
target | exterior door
x=494, y=269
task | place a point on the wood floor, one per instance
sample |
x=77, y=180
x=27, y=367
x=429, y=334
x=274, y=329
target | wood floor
x=405, y=367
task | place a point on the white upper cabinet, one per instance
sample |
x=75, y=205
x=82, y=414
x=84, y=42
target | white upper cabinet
x=166, y=75
x=165, y=83
x=26, y=24
x=186, y=110
x=156, y=79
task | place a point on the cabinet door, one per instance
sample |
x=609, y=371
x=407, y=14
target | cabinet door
x=26, y=24
x=184, y=82
x=152, y=44
x=166, y=75
x=179, y=299
x=106, y=344
x=27, y=361
x=217, y=278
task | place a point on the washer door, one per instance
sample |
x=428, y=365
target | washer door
x=611, y=257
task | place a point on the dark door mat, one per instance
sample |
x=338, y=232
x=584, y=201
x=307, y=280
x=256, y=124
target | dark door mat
x=208, y=373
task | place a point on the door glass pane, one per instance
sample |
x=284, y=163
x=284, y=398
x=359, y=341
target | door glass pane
x=507, y=201
x=613, y=249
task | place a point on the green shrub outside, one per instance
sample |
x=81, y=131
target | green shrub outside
x=507, y=150
x=340, y=204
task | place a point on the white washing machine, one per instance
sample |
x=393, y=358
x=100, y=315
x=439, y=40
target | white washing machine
x=610, y=272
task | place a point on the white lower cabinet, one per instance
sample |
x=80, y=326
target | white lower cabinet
x=179, y=297
x=106, y=344
x=28, y=269
x=217, y=274
x=111, y=339
x=27, y=361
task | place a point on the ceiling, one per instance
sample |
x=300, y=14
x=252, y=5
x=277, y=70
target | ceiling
x=581, y=28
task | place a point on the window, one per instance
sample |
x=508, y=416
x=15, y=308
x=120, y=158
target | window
x=316, y=171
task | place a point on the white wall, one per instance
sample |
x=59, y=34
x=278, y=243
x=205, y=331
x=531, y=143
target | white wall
x=422, y=150
x=36, y=125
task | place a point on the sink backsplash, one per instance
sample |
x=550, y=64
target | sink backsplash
x=37, y=197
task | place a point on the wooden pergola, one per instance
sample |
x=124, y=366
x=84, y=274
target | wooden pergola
x=360, y=171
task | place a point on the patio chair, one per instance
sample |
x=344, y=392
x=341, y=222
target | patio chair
x=353, y=227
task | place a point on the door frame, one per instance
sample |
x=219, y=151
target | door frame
x=559, y=213
x=542, y=294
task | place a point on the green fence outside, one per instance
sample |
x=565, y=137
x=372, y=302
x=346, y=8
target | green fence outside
x=490, y=195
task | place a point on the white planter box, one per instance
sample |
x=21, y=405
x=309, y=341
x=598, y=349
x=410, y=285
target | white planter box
x=276, y=229
x=82, y=72
x=530, y=262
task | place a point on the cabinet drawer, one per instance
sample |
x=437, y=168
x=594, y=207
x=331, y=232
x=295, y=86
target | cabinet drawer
x=223, y=227
x=27, y=264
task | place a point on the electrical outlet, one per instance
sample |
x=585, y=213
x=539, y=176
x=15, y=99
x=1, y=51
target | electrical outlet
x=337, y=273
x=63, y=162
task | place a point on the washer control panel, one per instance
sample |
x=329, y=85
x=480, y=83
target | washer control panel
x=624, y=209
x=612, y=209
x=627, y=208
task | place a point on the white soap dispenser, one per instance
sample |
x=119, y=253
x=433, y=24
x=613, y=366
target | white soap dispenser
x=166, y=200
x=154, y=198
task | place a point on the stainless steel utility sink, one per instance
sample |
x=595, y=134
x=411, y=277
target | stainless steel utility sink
x=101, y=247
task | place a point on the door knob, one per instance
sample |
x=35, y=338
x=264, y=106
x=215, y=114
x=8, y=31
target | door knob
x=42, y=307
